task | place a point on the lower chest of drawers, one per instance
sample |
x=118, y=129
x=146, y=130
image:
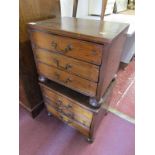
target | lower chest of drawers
x=67, y=110
x=71, y=108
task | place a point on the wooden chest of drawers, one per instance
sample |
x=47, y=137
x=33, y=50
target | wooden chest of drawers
x=81, y=56
x=73, y=108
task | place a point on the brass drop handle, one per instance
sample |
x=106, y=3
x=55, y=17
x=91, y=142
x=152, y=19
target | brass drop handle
x=70, y=115
x=69, y=47
x=58, y=102
x=67, y=80
x=54, y=44
x=59, y=110
x=58, y=77
x=67, y=67
x=69, y=106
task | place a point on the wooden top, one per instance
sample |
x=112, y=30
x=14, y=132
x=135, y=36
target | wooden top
x=85, y=29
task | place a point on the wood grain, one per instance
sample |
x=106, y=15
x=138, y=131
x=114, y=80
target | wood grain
x=101, y=32
x=81, y=50
x=31, y=10
x=83, y=129
x=68, y=80
x=82, y=69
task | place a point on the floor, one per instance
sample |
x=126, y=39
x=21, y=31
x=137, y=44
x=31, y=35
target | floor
x=123, y=97
x=115, y=136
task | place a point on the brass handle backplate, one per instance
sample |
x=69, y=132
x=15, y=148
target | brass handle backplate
x=67, y=67
x=69, y=47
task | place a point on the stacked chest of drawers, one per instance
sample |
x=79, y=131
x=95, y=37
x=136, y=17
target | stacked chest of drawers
x=76, y=61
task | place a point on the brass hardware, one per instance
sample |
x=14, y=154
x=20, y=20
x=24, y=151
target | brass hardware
x=67, y=48
x=68, y=80
x=67, y=67
x=58, y=102
x=69, y=106
x=54, y=44
x=58, y=77
x=70, y=115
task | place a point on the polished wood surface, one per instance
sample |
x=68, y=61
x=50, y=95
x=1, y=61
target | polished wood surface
x=74, y=82
x=76, y=113
x=49, y=35
x=83, y=129
x=78, y=98
x=62, y=101
x=72, y=113
x=85, y=70
x=31, y=10
x=34, y=10
x=82, y=50
x=77, y=42
x=85, y=29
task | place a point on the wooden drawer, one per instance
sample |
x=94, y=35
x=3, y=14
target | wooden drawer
x=67, y=106
x=69, y=111
x=83, y=129
x=74, y=82
x=79, y=68
x=78, y=49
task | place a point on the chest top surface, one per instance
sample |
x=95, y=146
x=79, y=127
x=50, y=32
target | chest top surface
x=86, y=29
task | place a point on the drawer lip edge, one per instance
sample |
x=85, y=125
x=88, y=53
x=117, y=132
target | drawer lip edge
x=91, y=109
x=76, y=122
x=48, y=100
x=95, y=81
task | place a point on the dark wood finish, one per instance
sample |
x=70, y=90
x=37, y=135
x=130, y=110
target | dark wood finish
x=31, y=10
x=84, y=29
x=92, y=52
x=74, y=82
x=110, y=64
x=107, y=38
x=83, y=129
x=79, y=98
x=63, y=104
x=85, y=70
x=89, y=46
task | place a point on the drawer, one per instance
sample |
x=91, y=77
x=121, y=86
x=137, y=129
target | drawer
x=74, y=82
x=84, y=130
x=69, y=111
x=79, y=68
x=82, y=115
x=74, y=48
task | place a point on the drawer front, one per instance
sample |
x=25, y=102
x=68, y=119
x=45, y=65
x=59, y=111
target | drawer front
x=69, y=111
x=84, y=130
x=78, y=49
x=79, y=68
x=74, y=82
x=68, y=106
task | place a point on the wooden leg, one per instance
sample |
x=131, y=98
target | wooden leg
x=90, y=140
x=42, y=78
x=49, y=114
x=93, y=102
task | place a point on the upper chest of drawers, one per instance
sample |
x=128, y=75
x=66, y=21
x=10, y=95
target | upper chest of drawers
x=70, y=51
